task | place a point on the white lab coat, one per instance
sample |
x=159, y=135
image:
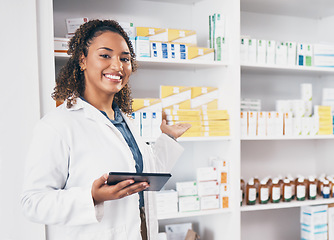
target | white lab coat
x=70, y=149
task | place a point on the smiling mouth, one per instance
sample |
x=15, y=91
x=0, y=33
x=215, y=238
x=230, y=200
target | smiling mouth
x=113, y=77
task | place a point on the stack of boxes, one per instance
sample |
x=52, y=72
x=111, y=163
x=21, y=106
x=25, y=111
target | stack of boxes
x=217, y=39
x=323, y=55
x=209, y=191
x=325, y=119
x=261, y=51
x=197, y=106
x=167, y=43
x=147, y=117
x=291, y=118
x=313, y=220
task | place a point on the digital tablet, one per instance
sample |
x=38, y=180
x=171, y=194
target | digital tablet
x=155, y=180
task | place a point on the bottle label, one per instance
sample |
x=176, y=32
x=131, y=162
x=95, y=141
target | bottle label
x=287, y=193
x=276, y=194
x=264, y=195
x=313, y=190
x=252, y=195
x=301, y=191
x=325, y=190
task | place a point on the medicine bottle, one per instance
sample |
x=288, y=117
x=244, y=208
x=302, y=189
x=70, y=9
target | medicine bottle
x=311, y=188
x=275, y=191
x=242, y=191
x=250, y=192
x=300, y=189
x=269, y=181
x=257, y=185
x=293, y=185
x=263, y=192
x=286, y=190
x=281, y=183
x=326, y=189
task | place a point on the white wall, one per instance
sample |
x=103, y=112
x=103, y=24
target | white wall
x=19, y=104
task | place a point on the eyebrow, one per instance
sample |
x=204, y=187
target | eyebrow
x=109, y=49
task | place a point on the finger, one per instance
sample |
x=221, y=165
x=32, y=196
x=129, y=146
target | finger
x=101, y=180
x=124, y=184
x=134, y=188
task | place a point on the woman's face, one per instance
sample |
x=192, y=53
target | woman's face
x=107, y=65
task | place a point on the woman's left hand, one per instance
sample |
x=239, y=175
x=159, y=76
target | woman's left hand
x=176, y=130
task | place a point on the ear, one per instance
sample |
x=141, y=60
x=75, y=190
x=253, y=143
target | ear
x=82, y=62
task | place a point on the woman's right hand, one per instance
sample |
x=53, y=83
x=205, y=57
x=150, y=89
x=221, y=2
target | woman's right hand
x=101, y=191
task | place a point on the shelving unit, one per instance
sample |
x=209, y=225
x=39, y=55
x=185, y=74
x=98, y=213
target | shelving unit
x=282, y=205
x=297, y=21
x=145, y=82
x=249, y=156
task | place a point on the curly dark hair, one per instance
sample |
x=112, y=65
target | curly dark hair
x=70, y=82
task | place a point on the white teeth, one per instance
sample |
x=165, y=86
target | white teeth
x=113, y=76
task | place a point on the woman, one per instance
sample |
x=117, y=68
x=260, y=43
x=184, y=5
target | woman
x=77, y=143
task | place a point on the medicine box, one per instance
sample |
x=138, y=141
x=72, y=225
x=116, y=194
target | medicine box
x=206, y=174
x=146, y=104
x=252, y=121
x=171, y=95
x=244, y=43
x=187, y=188
x=142, y=47
x=129, y=28
x=203, y=95
x=208, y=188
x=271, y=49
x=72, y=24
x=201, y=53
x=209, y=202
x=252, y=51
x=189, y=203
x=61, y=45
x=167, y=202
x=261, y=52
x=224, y=195
x=136, y=120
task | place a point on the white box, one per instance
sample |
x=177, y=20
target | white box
x=206, y=174
x=244, y=50
x=61, y=45
x=252, y=51
x=243, y=121
x=271, y=123
x=210, y=202
x=72, y=24
x=156, y=50
x=279, y=123
x=224, y=195
x=222, y=167
x=300, y=54
x=252, y=121
x=167, y=202
x=271, y=49
x=129, y=28
x=298, y=108
x=136, y=120
x=142, y=47
x=306, y=124
x=314, y=215
x=174, y=51
x=162, y=236
x=308, y=55
x=281, y=54
x=177, y=231
x=146, y=124
x=297, y=126
x=208, y=188
x=261, y=51
x=189, y=203
x=187, y=188
x=292, y=53
x=261, y=124
x=306, y=91
x=288, y=124
x=156, y=122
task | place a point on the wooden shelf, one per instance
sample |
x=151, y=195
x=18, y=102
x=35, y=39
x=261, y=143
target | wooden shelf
x=292, y=204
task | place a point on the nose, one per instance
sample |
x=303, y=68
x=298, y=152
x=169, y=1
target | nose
x=116, y=63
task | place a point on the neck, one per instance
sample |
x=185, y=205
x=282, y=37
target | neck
x=101, y=103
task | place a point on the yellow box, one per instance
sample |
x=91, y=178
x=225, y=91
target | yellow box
x=201, y=53
x=216, y=128
x=171, y=95
x=216, y=123
x=202, y=96
x=192, y=134
x=215, y=115
x=212, y=105
x=216, y=133
x=146, y=104
x=193, y=123
x=181, y=105
x=183, y=118
x=182, y=112
x=168, y=35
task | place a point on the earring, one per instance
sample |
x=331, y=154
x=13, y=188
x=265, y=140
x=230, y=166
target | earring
x=82, y=69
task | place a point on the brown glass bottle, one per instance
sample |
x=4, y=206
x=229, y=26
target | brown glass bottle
x=263, y=192
x=300, y=189
x=287, y=191
x=250, y=192
x=311, y=188
x=275, y=191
